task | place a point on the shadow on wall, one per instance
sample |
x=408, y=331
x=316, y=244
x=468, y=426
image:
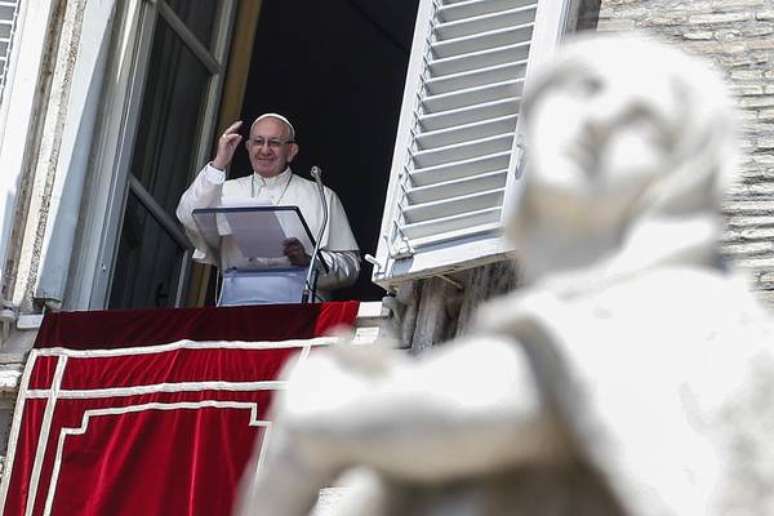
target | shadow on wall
x=64, y=225
x=9, y=204
x=588, y=14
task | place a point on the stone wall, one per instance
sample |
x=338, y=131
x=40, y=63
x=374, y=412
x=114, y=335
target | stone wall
x=434, y=310
x=737, y=35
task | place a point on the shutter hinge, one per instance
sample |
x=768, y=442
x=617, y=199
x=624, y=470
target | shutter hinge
x=400, y=249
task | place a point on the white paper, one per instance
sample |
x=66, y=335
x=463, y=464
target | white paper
x=221, y=221
x=258, y=234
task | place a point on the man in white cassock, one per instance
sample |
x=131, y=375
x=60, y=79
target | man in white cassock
x=271, y=147
x=633, y=375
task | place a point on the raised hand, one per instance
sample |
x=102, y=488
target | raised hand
x=227, y=144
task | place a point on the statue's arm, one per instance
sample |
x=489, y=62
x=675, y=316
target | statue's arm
x=469, y=408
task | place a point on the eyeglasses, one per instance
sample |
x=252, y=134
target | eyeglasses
x=273, y=143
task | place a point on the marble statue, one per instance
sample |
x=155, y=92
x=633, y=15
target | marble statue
x=633, y=374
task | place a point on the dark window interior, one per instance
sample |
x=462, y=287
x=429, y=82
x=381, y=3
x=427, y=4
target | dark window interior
x=336, y=68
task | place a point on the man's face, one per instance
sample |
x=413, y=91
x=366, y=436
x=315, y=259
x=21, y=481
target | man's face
x=269, y=148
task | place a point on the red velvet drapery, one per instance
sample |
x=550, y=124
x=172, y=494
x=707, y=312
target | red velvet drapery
x=150, y=412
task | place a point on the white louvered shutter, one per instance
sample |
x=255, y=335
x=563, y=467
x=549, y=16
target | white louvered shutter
x=8, y=11
x=456, y=157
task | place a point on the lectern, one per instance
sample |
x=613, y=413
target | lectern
x=249, y=241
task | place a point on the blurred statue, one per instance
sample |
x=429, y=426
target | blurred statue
x=632, y=375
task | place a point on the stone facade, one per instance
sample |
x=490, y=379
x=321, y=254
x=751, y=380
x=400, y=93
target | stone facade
x=438, y=309
x=737, y=35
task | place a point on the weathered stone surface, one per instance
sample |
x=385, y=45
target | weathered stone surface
x=718, y=18
x=748, y=59
x=720, y=5
x=746, y=75
x=762, y=30
x=664, y=19
x=748, y=249
x=616, y=25
x=748, y=89
x=627, y=12
x=754, y=220
x=699, y=35
x=10, y=374
x=757, y=175
x=481, y=284
x=756, y=263
x=752, y=189
x=717, y=47
x=763, y=160
x=766, y=277
x=749, y=234
x=760, y=44
x=760, y=127
x=439, y=303
x=765, y=143
x=766, y=101
x=749, y=207
x=767, y=14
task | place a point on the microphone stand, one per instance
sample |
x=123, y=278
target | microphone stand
x=310, y=285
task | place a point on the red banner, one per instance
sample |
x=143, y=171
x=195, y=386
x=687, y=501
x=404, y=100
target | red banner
x=149, y=428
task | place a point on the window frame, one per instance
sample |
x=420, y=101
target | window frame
x=467, y=251
x=18, y=104
x=109, y=179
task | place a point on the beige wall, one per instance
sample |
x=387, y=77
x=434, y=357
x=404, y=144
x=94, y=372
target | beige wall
x=737, y=35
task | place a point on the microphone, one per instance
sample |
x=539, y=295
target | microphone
x=308, y=287
x=317, y=175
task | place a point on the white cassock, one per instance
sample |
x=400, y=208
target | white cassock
x=339, y=249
